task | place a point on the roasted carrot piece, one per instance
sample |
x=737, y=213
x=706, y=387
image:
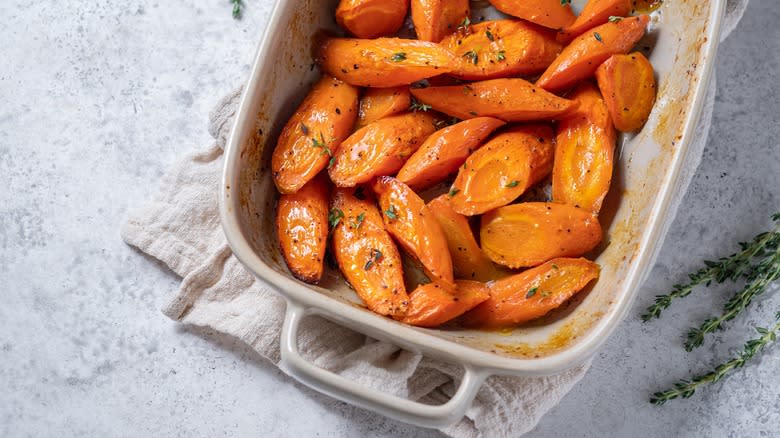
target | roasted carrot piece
x=595, y=13
x=434, y=19
x=501, y=49
x=468, y=260
x=377, y=103
x=533, y=293
x=512, y=100
x=580, y=59
x=554, y=14
x=366, y=254
x=629, y=89
x=431, y=305
x=445, y=151
x=384, y=62
x=409, y=221
x=313, y=133
x=302, y=228
x=531, y=233
x=502, y=169
x=584, y=149
x=380, y=148
x=372, y=18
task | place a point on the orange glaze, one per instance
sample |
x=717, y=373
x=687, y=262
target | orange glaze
x=445, y=151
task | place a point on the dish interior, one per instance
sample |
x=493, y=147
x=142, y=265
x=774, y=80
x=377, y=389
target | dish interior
x=674, y=43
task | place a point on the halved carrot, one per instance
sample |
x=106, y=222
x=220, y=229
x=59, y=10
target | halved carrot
x=501, y=49
x=372, y=18
x=531, y=233
x=628, y=86
x=380, y=148
x=445, y=151
x=409, y=221
x=513, y=100
x=366, y=254
x=302, y=228
x=580, y=59
x=377, y=103
x=435, y=19
x=432, y=305
x=533, y=293
x=502, y=169
x=584, y=149
x=383, y=62
x=313, y=133
x=468, y=260
x=595, y=13
x=555, y=14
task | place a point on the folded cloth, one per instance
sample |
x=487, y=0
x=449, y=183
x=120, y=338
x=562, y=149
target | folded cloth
x=181, y=228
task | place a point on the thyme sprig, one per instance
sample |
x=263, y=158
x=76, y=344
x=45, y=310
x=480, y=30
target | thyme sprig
x=686, y=388
x=726, y=268
x=758, y=264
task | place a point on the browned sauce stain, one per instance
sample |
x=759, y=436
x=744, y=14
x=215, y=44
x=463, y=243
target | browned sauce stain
x=646, y=6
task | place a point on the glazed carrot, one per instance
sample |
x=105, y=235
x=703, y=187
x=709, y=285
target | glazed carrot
x=371, y=18
x=501, y=49
x=380, y=148
x=584, y=149
x=434, y=19
x=512, y=100
x=383, y=62
x=313, y=133
x=531, y=233
x=595, y=13
x=377, y=103
x=580, y=59
x=555, y=14
x=533, y=293
x=628, y=86
x=468, y=260
x=366, y=254
x=502, y=169
x=445, y=151
x=432, y=305
x=302, y=228
x=409, y=221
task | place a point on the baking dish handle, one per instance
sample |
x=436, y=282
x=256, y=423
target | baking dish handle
x=351, y=392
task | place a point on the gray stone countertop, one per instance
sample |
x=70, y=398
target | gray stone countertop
x=98, y=98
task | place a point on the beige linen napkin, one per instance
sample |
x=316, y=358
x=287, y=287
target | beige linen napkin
x=181, y=227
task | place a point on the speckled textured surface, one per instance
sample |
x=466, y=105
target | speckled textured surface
x=98, y=98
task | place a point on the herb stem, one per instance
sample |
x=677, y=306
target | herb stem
x=685, y=388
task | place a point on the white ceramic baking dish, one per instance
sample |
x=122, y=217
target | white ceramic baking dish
x=684, y=37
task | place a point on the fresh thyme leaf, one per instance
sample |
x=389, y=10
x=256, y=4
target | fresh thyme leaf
x=489, y=35
x=598, y=37
x=472, y=56
x=334, y=217
x=358, y=221
x=373, y=258
x=614, y=19
x=322, y=145
x=391, y=212
x=416, y=105
x=565, y=2
x=453, y=192
x=236, y=8
x=554, y=266
x=531, y=292
x=464, y=25
x=331, y=161
x=512, y=184
x=685, y=388
x=501, y=55
x=398, y=57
